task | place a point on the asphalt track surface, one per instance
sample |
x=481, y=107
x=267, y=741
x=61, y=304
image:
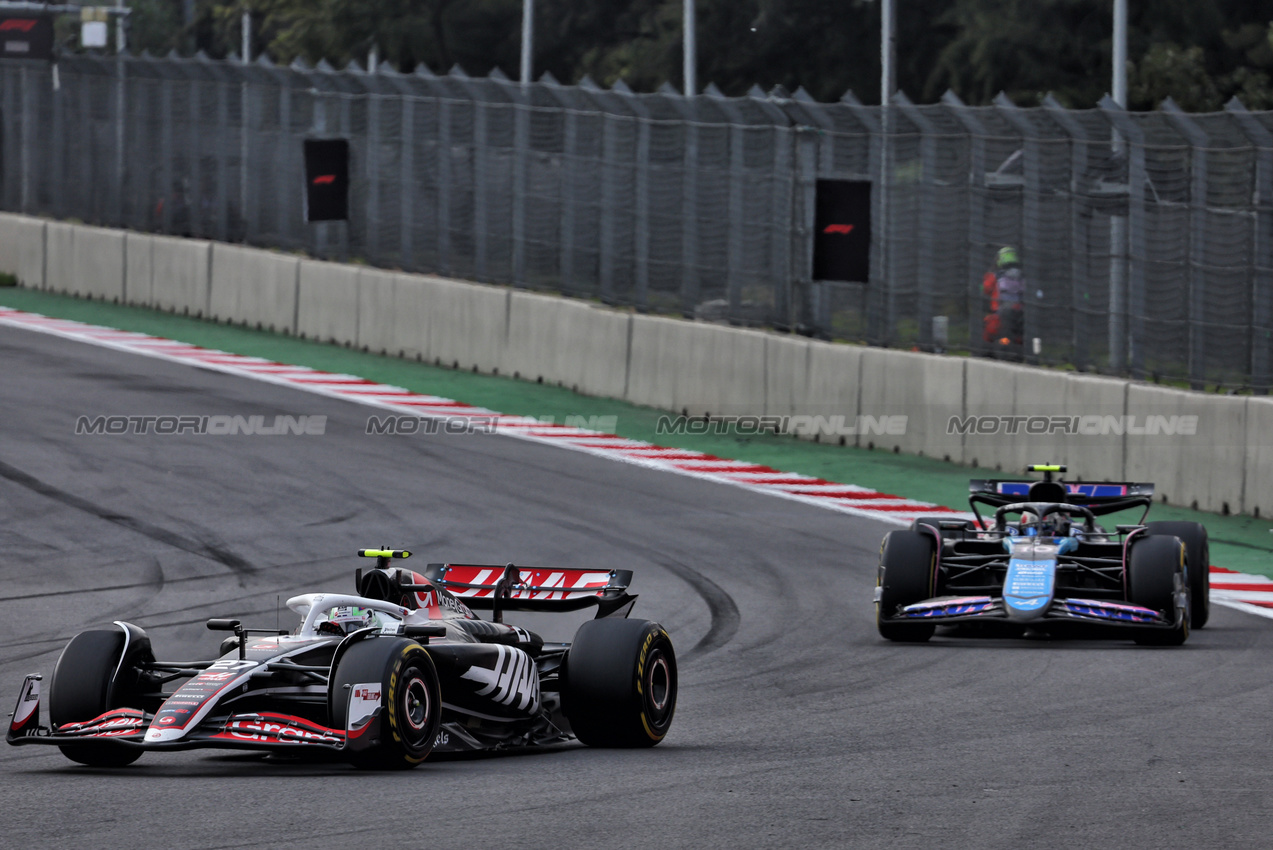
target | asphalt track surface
x=796, y=726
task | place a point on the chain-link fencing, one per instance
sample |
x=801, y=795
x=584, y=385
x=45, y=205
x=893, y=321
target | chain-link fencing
x=1146, y=239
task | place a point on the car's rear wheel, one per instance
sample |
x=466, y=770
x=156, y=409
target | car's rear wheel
x=1155, y=574
x=90, y=680
x=907, y=562
x=410, y=700
x=1198, y=565
x=619, y=683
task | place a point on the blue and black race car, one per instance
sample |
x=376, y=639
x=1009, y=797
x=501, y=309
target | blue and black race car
x=1042, y=562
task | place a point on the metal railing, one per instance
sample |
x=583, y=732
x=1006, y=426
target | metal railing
x=1146, y=239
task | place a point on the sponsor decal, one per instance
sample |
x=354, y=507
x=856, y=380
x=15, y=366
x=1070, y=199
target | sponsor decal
x=288, y=731
x=1028, y=586
x=28, y=704
x=364, y=699
x=514, y=681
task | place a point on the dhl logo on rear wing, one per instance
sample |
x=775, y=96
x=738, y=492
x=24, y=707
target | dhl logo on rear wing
x=489, y=587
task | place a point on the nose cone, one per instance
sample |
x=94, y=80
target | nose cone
x=1031, y=581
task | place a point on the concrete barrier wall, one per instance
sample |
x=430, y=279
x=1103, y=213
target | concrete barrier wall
x=411, y=316
x=1257, y=494
x=927, y=389
x=327, y=306
x=377, y=307
x=571, y=342
x=832, y=389
x=990, y=395
x=468, y=324
x=59, y=258
x=249, y=286
x=98, y=263
x=695, y=367
x=180, y=274
x=139, y=265
x=1223, y=460
x=787, y=369
x=22, y=248
x=1203, y=462
x=1101, y=455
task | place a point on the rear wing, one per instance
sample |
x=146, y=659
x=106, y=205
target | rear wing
x=500, y=588
x=1100, y=497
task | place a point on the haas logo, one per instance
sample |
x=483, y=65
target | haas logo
x=369, y=694
x=513, y=682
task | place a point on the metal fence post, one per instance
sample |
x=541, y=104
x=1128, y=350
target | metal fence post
x=1197, y=239
x=245, y=158
x=818, y=159
x=689, y=209
x=781, y=225
x=610, y=189
x=570, y=158
x=223, y=135
x=345, y=129
x=1262, y=254
x=1078, y=234
x=806, y=309
x=876, y=167
x=1032, y=243
x=165, y=155
x=444, y=186
x=1127, y=311
x=119, y=177
x=371, y=168
x=641, y=242
x=406, y=176
x=976, y=214
x=926, y=281
x=521, y=163
x=26, y=129
x=480, y=172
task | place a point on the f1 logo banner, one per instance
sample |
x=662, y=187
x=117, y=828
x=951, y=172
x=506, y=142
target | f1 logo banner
x=26, y=36
x=842, y=237
x=326, y=179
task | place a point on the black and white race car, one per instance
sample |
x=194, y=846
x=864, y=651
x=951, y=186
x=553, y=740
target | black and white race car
x=381, y=678
x=1043, y=563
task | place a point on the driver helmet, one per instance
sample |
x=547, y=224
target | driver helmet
x=1053, y=525
x=1007, y=257
x=347, y=619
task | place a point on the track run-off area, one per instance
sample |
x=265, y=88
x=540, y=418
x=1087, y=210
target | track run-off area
x=797, y=725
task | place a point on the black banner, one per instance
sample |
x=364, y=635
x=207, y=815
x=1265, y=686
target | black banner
x=326, y=179
x=26, y=36
x=842, y=238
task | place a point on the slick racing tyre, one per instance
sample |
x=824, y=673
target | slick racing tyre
x=907, y=561
x=90, y=680
x=410, y=700
x=619, y=683
x=1198, y=565
x=1154, y=567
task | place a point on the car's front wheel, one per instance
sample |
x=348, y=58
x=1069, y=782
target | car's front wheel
x=1197, y=566
x=1155, y=578
x=396, y=677
x=92, y=677
x=907, y=562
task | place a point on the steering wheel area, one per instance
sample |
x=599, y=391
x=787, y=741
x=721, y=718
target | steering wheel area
x=1043, y=510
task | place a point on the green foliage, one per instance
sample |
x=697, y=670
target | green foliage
x=1198, y=53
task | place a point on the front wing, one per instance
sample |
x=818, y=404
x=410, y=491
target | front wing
x=962, y=609
x=127, y=727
